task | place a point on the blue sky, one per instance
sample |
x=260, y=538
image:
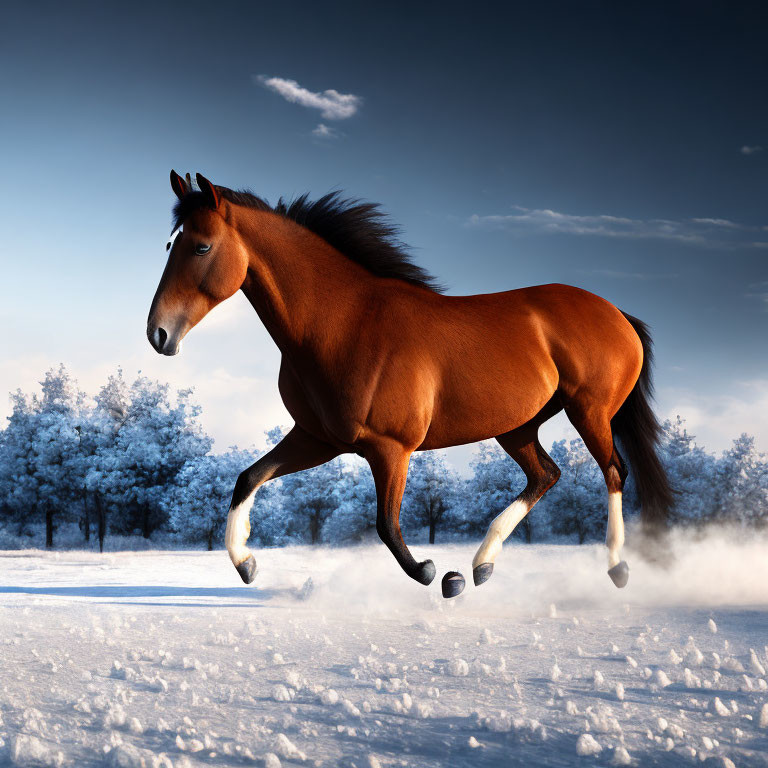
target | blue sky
x=619, y=147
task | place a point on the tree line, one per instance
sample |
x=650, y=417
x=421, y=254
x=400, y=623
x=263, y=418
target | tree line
x=134, y=460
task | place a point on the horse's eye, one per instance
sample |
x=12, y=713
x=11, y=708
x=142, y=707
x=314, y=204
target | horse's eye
x=201, y=249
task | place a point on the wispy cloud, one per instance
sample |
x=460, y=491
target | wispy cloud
x=718, y=223
x=331, y=104
x=708, y=232
x=323, y=131
x=750, y=150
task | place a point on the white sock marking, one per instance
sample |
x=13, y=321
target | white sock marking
x=238, y=530
x=614, y=534
x=499, y=531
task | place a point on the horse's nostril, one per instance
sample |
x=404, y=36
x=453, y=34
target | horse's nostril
x=157, y=338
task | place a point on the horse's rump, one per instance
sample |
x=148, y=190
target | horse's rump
x=501, y=358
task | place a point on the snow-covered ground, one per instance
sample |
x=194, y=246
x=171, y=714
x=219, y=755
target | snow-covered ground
x=165, y=658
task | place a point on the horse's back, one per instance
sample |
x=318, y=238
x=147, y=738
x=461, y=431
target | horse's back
x=502, y=356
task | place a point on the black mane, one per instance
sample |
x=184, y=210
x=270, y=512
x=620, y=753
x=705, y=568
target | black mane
x=357, y=229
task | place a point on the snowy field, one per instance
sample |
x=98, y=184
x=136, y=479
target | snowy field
x=166, y=659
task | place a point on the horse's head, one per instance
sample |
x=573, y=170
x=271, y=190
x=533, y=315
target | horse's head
x=207, y=264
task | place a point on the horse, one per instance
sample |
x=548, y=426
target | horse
x=378, y=361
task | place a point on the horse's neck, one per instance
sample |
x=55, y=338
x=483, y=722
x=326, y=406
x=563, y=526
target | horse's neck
x=304, y=291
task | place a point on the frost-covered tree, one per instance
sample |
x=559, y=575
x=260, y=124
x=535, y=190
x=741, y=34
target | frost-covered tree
x=430, y=492
x=6, y=481
x=271, y=524
x=692, y=473
x=41, y=469
x=742, y=484
x=496, y=480
x=136, y=456
x=197, y=502
x=155, y=439
x=306, y=499
x=578, y=503
x=353, y=517
x=134, y=443
x=106, y=482
x=17, y=480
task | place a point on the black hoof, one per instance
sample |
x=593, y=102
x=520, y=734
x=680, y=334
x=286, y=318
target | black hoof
x=453, y=584
x=247, y=569
x=425, y=572
x=619, y=574
x=481, y=573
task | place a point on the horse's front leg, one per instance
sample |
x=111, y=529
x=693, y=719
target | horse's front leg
x=296, y=451
x=389, y=465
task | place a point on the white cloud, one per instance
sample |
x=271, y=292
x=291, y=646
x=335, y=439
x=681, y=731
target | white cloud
x=713, y=232
x=718, y=223
x=718, y=418
x=750, y=150
x=332, y=104
x=324, y=131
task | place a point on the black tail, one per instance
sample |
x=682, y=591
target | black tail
x=638, y=430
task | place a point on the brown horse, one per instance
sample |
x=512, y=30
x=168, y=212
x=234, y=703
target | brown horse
x=376, y=361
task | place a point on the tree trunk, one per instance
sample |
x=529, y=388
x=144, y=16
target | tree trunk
x=210, y=540
x=145, y=523
x=314, y=527
x=49, y=528
x=87, y=517
x=432, y=526
x=102, y=522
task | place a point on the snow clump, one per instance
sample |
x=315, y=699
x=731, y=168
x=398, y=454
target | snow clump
x=284, y=747
x=586, y=746
x=458, y=668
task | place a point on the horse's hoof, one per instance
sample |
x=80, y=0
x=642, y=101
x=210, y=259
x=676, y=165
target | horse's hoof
x=481, y=573
x=247, y=569
x=425, y=572
x=619, y=574
x=453, y=584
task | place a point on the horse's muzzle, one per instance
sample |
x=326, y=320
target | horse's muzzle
x=158, y=338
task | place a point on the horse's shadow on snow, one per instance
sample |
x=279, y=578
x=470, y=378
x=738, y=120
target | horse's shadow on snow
x=119, y=594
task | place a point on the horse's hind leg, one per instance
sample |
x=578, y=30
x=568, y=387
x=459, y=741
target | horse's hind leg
x=594, y=427
x=541, y=473
x=298, y=450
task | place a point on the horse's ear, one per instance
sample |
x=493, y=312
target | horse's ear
x=211, y=195
x=178, y=185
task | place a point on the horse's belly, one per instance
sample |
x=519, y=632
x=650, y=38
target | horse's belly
x=497, y=402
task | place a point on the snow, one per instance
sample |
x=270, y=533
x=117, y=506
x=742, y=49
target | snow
x=621, y=757
x=164, y=659
x=586, y=746
x=718, y=708
x=29, y=750
x=458, y=668
x=755, y=664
